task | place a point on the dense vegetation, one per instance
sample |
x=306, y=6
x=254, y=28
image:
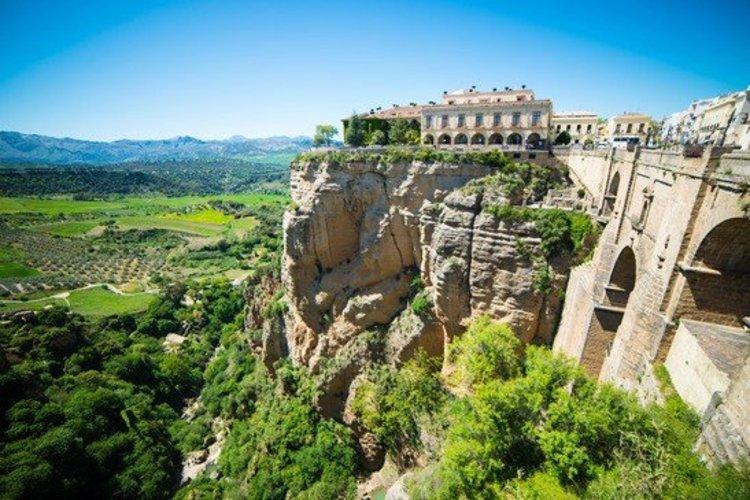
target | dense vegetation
x=395, y=155
x=531, y=425
x=87, y=407
x=166, y=178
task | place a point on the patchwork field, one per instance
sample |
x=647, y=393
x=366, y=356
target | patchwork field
x=97, y=301
x=61, y=244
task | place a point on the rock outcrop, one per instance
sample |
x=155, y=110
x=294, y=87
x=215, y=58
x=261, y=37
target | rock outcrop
x=353, y=245
x=360, y=233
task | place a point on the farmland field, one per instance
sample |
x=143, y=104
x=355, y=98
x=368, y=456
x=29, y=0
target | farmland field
x=94, y=302
x=58, y=244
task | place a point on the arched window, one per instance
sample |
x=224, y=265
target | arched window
x=462, y=139
x=496, y=139
x=477, y=139
x=444, y=139
x=428, y=139
x=515, y=139
x=533, y=140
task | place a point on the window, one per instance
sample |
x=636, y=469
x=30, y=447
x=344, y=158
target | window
x=479, y=120
x=558, y=127
x=516, y=119
x=461, y=120
x=535, y=117
x=640, y=127
x=578, y=128
x=567, y=127
x=444, y=121
x=618, y=128
x=630, y=128
x=588, y=128
x=428, y=121
x=496, y=120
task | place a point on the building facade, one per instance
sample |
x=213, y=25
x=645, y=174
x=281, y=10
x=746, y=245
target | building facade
x=627, y=126
x=511, y=119
x=723, y=123
x=580, y=125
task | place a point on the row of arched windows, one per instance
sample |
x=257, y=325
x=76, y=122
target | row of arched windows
x=513, y=139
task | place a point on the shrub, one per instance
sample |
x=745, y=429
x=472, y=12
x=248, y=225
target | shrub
x=485, y=352
x=421, y=304
x=377, y=138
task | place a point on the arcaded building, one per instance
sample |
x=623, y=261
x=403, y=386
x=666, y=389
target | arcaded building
x=509, y=119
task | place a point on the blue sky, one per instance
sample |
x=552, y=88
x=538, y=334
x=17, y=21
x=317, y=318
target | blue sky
x=127, y=69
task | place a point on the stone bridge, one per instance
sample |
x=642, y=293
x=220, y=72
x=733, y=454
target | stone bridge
x=669, y=282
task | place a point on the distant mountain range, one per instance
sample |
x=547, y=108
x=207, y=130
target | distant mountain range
x=30, y=148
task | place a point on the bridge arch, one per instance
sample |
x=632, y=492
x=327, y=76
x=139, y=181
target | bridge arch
x=610, y=198
x=718, y=279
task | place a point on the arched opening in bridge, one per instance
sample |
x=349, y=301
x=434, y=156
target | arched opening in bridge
x=496, y=139
x=534, y=140
x=477, y=139
x=515, y=139
x=444, y=139
x=611, y=197
x=717, y=282
x=462, y=139
x=608, y=315
x=428, y=139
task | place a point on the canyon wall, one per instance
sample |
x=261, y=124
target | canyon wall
x=362, y=238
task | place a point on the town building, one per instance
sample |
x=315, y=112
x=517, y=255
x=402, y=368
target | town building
x=680, y=127
x=629, y=128
x=506, y=118
x=580, y=125
x=724, y=122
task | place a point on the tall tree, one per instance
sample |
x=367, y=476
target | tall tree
x=324, y=134
x=355, y=132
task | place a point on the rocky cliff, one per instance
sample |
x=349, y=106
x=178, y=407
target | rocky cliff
x=360, y=231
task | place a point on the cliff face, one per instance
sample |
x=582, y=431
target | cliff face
x=477, y=265
x=360, y=233
x=353, y=245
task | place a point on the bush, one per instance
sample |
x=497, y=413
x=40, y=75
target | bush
x=421, y=304
x=377, y=138
x=485, y=352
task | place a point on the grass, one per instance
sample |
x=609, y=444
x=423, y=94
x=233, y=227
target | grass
x=32, y=305
x=93, y=302
x=207, y=216
x=16, y=270
x=99, y=301
x=169, y=223
x=69, y=229
x=54, y=206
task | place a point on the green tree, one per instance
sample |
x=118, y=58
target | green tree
x=403, y=132
x=563, y=138
x=355, y=132
x=324, y=135
x=377, y=138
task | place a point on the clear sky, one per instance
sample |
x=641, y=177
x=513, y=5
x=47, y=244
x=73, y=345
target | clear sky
x=110, y=69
